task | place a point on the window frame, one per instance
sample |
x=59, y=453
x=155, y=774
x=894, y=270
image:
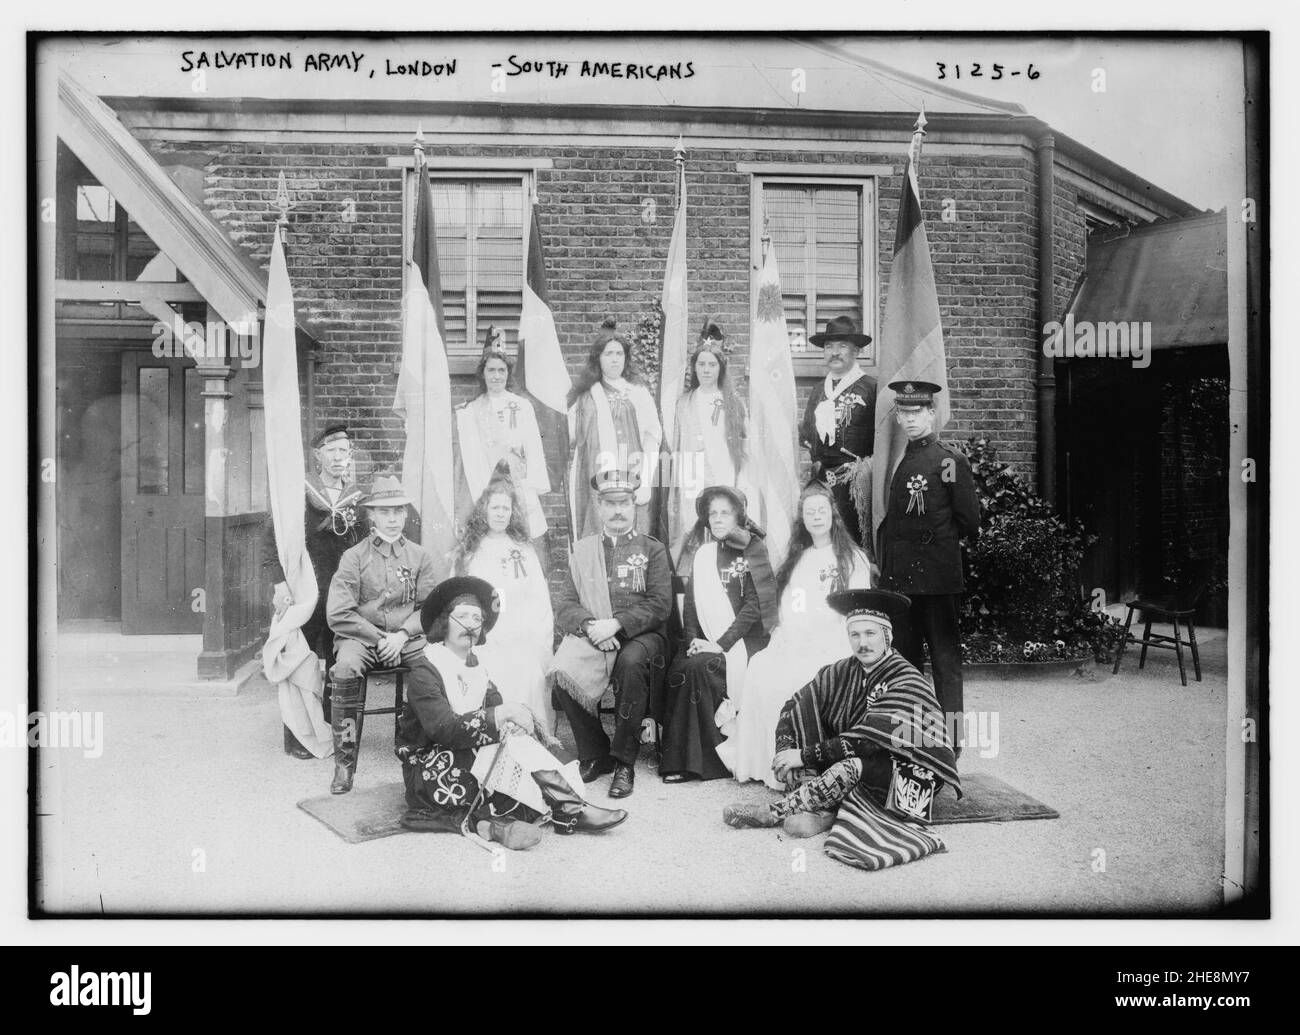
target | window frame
x=464, y=359
x=809, y=363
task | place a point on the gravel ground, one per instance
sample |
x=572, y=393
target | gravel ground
x=1134, y=764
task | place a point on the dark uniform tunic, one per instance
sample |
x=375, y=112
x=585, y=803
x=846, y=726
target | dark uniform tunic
x=640, y=597
x=932, y=505
x=332, y=528
x=855, y=432
x=697, y=685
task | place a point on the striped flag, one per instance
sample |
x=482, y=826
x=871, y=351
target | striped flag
x=672, y=363
x=773, y=415
x=424, y=385
x=911, y=340
x=543, y=377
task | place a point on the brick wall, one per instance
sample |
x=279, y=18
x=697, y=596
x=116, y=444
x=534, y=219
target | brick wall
x=604, y=259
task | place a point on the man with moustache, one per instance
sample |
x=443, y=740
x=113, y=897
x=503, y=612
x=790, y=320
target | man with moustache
x=613, y=607
x=332, y=527
x=863, y=748
x=839, y=422
x=374, y=610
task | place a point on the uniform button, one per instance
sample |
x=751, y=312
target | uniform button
x=927, y=537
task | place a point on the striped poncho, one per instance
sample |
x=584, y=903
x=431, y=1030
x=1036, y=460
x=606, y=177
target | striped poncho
x=846, y=712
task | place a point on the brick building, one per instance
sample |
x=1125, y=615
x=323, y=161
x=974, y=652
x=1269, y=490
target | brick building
x=167, y=201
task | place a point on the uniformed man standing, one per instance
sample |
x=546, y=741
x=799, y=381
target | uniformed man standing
x=839, y=422
x=931, y=505
x=332, y=527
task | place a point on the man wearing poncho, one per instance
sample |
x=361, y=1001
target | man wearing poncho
x=863, y=748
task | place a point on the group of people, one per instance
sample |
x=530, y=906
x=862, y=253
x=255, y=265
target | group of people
x=737, y=664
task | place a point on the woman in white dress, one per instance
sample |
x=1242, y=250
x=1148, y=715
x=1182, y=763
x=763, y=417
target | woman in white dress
x=495, y=548
x=613, y=424
x=822, y=559
x=499, y=427
x=710, y=434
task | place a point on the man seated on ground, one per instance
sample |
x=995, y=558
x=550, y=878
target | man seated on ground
x=863, y=748
x=613, y=605
x=374, y=604
x=469, y=760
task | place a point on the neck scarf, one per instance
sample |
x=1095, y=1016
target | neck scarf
x=824, y=413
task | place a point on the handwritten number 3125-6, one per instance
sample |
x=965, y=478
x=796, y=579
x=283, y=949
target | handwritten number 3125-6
x=977, y=70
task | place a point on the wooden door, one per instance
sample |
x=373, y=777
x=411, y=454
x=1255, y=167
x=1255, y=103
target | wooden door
x=162, y=495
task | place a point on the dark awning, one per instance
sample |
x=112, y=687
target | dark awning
x=1173, y=273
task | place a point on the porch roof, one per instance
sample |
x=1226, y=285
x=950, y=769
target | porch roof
x=1172, y=273
x=227, y=278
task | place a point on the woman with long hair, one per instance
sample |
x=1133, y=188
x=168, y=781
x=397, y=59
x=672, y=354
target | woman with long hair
x=723, y=629
x=495, y=548
x=710, y=433
x=822, y=559
x=613, y=423
x=499, y=427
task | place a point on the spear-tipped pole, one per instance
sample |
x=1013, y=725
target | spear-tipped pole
x=679, y=157
x=918, y=134
x=419, y=141
x=282, y=203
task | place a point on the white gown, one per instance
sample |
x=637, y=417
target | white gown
x=518, y=649
x=808, y=636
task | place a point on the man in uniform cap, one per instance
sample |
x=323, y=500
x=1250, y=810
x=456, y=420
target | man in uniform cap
x=374, y=610
x=931, y=506
x=863, y=748
x=839, y=423
x=332, y=526
x=613, y=607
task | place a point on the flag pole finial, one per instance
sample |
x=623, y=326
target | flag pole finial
x=918, y=134
x=419, y=140
x=282, y=203
x=679, y=152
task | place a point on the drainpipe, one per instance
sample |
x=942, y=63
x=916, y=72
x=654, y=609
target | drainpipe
x=1046, y=381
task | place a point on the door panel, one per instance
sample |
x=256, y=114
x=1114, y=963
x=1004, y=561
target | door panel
x=162, y=495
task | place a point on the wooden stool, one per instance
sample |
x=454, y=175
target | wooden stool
x=398, y=672
x=1161, y=609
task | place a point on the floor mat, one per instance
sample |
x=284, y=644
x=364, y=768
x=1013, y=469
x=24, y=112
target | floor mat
x=986, y=799
x=361, y=814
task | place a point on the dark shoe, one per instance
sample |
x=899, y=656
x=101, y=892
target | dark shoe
x=513, y=834
x=342, y=782
x=742, y=816
x=595, y=768
x=678, y=777
x=621, y=785
x=292, y=745
x=426, y=821
x=569, y=812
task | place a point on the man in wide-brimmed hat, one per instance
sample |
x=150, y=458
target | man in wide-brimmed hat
x=839, y=423
x=863, y=748
x=332, y=526
x=470, y=761
x=613, y=607
x=374, y=610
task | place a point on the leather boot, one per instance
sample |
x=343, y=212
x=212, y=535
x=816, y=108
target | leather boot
x=346, y=717
x=292, y=747
x=569, y=812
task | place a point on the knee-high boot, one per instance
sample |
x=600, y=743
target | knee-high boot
x=347, y=714
x=569, y=811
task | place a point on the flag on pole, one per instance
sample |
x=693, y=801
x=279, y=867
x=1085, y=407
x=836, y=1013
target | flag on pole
x=911, y=337
x=543, y=377
x=287, y=661
x=672, y=363
x=424, y=384
x=774, y=451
